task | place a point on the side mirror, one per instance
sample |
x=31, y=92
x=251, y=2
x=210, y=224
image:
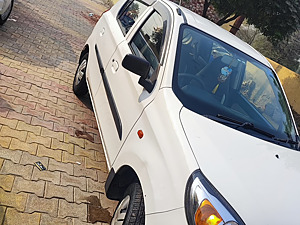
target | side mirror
x=136, y=65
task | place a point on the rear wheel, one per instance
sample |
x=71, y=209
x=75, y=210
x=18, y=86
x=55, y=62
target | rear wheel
x=5, y=15
x=130, y=210
x=79, y=83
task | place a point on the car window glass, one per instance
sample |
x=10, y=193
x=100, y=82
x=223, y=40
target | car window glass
x=131, y=15
x=257, y=89
x=213, y=78
x=147, y=42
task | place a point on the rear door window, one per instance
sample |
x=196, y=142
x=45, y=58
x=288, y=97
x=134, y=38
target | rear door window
x=130, y=15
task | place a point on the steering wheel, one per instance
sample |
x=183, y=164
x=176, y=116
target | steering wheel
x=185, y=78
x=187, y=38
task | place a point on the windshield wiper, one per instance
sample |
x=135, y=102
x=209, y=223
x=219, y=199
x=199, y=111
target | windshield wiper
x=245, y=125
x=289, y=141
x=249, y=126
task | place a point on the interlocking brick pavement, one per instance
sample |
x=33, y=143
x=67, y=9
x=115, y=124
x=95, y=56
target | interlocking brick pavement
x=42, y=120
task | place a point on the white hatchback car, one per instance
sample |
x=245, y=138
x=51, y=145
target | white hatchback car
x=5, y=10
x=195, y=125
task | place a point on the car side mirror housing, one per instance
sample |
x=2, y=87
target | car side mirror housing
x=136, y=65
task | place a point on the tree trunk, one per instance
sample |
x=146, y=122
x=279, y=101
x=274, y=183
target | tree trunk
x=225, y=19
x=205, y=8
x=237, y=24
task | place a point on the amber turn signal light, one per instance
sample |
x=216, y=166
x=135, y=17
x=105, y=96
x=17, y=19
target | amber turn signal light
x=140, y=134
x=206, y=214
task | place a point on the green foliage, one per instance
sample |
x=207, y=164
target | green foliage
x=286, y=52
x=276, y=19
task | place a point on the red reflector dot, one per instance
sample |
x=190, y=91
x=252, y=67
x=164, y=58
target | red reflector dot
x=140, y=134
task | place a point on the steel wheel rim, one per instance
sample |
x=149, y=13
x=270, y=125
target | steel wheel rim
x=6, y=13
x=121, y=212
x=80, y=71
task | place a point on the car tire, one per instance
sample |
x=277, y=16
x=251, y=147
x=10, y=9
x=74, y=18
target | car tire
x=79, y=84
x=6, y=14
x=130, y=210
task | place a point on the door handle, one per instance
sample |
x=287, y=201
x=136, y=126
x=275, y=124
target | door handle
x=102, y=31
x=114, y=65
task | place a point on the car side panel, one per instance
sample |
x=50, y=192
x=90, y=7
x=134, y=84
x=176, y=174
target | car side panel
x=174, y=217
x=125, y=92
x=106, y=36
x=118, y=108
x=162, y=159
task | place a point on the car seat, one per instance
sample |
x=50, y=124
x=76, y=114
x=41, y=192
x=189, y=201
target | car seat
x=210, y=75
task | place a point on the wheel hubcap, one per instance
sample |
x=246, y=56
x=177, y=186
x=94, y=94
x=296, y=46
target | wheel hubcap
x=5, y=14
x=80, y=72
x=121, y=212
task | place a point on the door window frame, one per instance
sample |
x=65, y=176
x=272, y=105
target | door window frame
x=140, y=17
x=167, y=18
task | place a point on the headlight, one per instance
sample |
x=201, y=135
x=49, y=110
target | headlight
x=204, y=205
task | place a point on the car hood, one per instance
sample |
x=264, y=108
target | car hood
x=259, y=179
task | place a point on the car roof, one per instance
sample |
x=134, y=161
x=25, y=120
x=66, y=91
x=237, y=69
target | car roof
x=218, y=32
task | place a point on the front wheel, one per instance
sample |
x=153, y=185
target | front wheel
x=79, y=83
x=130, y=210
x=5, y=15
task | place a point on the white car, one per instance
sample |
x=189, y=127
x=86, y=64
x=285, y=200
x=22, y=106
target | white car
x=5, y=10
x=194, y=123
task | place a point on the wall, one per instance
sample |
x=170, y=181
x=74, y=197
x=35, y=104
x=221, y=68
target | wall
x=291, y=84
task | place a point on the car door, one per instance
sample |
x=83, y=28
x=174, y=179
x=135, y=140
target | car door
x=125, y=98
x=109, y=32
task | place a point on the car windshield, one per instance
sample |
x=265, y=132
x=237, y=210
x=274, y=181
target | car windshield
x=222, y=83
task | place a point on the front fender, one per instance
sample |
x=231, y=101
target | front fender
x=162, y=159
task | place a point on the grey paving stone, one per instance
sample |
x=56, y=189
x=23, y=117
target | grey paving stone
x=28, y=159
x=94, y=186
x=49, y=220
x=9, y=167
x=53, y=176
x=80, y=170
x=83, y=196
x=14, y=156
x=37, y=204
x=73, y=181
x=57, y=191
x=74, y=210
x=59, y=166
x=29, y=186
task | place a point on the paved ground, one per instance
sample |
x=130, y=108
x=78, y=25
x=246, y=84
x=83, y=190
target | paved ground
x=42, y=120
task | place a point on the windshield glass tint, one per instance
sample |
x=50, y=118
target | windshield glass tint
x=212, y=78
